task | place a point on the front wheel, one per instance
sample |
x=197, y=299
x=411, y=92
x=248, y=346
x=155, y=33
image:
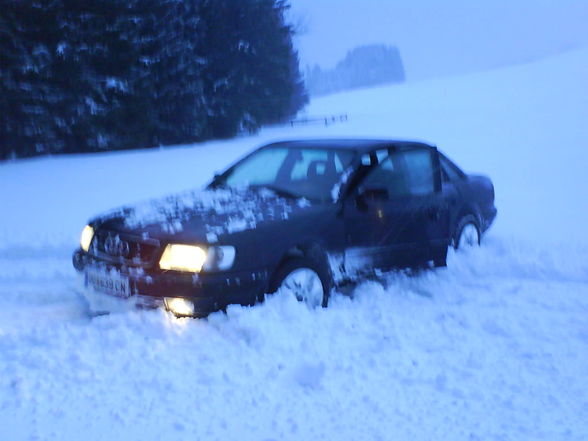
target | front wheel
x=467, y=234
x=303, y=279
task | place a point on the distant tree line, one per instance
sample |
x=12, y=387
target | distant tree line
x=86, y=76
x=364, y=66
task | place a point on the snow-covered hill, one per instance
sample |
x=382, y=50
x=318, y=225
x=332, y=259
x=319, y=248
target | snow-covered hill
x=493, y=347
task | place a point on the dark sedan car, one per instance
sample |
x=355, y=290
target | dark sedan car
x=302, y=215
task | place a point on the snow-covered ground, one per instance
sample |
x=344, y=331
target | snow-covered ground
x=494, y=347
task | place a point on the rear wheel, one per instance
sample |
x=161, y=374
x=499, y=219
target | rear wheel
x=467, y=234
x=305, y=280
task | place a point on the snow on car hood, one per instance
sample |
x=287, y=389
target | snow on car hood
x=215, y=211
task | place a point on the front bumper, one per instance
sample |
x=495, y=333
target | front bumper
x=208, y=292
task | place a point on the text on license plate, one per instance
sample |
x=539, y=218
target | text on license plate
x=108, y=282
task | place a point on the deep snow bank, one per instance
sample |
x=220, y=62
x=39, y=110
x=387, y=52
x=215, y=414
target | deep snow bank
x=493, y=347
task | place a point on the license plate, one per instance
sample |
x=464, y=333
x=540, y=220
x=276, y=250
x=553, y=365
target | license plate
x=111, y=283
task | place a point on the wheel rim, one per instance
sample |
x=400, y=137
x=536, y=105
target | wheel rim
x=468, y=237
x=306, y=285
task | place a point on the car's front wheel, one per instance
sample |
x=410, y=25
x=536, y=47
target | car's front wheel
x=304, y=280
x=467, y=234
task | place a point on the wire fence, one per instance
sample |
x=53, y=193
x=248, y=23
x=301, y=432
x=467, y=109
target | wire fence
x=323, y=120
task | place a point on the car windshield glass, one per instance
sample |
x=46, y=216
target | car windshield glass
x=292, y=172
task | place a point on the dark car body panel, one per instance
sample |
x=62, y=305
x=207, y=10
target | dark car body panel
x=351, y=235
x=471, y=195
x=399, y=230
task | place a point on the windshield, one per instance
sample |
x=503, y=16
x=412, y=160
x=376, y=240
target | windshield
x=310, y=173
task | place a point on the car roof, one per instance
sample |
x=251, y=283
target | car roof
x=358, y=145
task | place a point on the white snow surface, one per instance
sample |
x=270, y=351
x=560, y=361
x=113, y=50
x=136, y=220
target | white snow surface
x=493, y=347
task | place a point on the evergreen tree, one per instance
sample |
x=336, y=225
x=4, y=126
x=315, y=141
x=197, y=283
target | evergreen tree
x=27, y=92
x=363, y=66
x=173, y=82
x=93, y=76
x=251, y=76
x=12, y=54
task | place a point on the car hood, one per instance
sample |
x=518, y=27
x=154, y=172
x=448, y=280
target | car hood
x=201, y=215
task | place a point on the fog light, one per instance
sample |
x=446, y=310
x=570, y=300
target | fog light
x=180, y=307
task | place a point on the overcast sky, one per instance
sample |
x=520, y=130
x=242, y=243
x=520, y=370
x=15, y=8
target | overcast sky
x=440, y=37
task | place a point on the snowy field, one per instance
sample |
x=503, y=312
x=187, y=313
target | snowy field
x=494, y=347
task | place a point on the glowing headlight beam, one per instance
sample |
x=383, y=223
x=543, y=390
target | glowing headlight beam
x=86, y=238
x=179, y=307
x=179, y=257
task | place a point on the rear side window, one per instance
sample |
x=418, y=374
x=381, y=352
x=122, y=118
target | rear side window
x=404, y=173
x=419, y=169
x=449, y=170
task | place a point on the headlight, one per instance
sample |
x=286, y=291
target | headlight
x=182, y=258
x=192, y=258
x=86, y=239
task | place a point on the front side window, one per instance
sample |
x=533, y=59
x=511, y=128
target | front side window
x=310, y=173
x=403, y=173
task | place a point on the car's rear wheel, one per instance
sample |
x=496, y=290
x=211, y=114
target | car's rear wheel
x=304, y=280
x=467, y=234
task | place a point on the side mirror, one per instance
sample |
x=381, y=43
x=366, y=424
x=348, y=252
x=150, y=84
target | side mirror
x=371, y=194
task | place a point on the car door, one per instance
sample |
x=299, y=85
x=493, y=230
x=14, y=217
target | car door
x=397, y=215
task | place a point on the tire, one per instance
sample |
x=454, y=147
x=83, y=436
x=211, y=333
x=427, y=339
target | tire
x=467, y=233
x=308, y=282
